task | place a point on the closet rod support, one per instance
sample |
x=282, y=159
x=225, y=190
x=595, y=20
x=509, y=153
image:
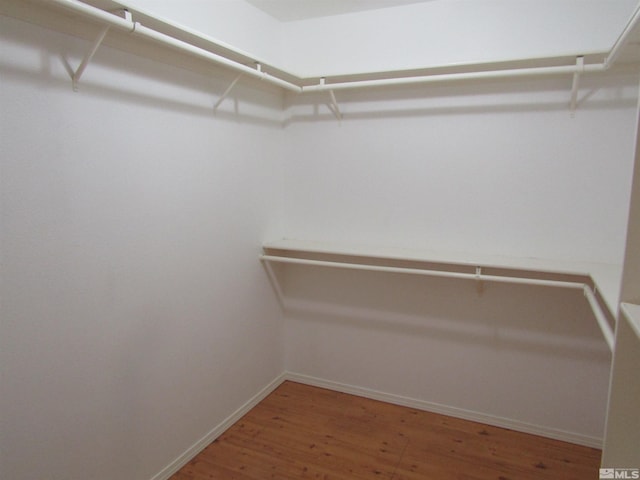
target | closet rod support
x=606, y=329
x=479, y=284
x=334, y=103
x=75, y=78
x=226, y=92
x=576, y=84
x=124, y=13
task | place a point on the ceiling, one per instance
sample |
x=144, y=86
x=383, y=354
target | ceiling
x=291, y=10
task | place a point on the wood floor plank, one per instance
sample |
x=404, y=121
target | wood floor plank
x=307, y=432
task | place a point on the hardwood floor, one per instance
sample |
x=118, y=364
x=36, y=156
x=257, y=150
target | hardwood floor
x=306, y=432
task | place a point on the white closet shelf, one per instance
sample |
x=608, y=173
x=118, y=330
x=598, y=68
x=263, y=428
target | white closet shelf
x=600, y=282
x=162, y=32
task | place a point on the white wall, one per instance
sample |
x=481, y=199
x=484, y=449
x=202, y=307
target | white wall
x=135, y=315
x=492, y=168
x=522, y=357
x=449, y=32
x=488, y=168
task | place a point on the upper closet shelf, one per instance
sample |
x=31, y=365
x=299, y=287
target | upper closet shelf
x=599, y=282
x=110, y=13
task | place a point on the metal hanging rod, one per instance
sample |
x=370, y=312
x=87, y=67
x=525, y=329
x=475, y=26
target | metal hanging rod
x=451, y=77
x=476, y=275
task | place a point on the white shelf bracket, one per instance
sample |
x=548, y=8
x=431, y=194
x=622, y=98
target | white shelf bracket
x=226, y=92
x=334, y=103
x=576, y=84
x=479, y=284
x=124, y=13
x=607, y=331
x=75, y=78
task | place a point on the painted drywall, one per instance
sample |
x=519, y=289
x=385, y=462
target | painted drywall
x=523, y=357
x=491, y=168
x=450, y=32
x=134, y=315
x=487, y=168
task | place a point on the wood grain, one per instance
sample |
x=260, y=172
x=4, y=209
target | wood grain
x=303, y=432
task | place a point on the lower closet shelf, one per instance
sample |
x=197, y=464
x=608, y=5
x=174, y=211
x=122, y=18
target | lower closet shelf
x=599, y=282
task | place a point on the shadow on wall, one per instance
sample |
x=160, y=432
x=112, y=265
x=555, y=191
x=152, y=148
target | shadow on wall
x=544, y=321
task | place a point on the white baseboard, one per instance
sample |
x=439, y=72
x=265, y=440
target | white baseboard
x=197, y=447
x=511, y=424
